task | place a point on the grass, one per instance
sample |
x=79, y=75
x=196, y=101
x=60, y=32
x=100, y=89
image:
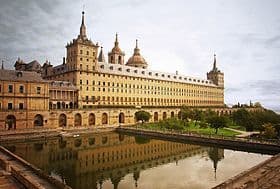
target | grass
x=191, y=127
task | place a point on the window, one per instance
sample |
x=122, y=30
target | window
x=20, y=106
x=81, y=51
x=81, y=82
x=21, y=89
x=10, y=106
x=10, y=88
x=0, y=88
x=38, y=90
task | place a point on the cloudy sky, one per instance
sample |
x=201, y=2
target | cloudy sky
x=173, y=35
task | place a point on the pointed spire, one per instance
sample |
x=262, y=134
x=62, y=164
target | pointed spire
x=214, y=64
x=83, y=34
x=136, y=50
x=116, y=41
x=101, y=57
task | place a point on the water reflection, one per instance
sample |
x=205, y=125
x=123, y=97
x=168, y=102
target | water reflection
x=109, y=159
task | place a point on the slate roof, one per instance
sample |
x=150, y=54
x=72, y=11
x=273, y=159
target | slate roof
x=15, y=75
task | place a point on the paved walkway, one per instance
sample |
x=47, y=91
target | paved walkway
x=243, y=133
x=8, y=182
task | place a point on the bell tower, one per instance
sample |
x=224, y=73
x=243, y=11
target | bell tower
x=215, y=75
x=116, y=56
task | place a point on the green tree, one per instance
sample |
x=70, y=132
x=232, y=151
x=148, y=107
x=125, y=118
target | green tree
x=269, y=131
x=217, y=122
x=142, y=116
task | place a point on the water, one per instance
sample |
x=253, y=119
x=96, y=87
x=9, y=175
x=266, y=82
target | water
x=110, y=160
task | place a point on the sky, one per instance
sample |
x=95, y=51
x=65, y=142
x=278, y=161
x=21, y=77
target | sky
x=177, y=35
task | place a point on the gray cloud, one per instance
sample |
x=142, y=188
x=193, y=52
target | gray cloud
x=173, y=35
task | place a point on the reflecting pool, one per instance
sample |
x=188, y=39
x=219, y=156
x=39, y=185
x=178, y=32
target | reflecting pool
x=112, y=160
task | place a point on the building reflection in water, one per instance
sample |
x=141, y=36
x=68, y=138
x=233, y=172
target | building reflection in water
x=88, y=161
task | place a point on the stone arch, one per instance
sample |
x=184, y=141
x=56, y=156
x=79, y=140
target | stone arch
x=155, y=116
x=38, y=120
x=78, y=120
x=164, y=115
x=62, y=120
x=11, y=122
x=104, y=119
x=121, y=117
x=180, y=115
x=91, y=119
x=172, y=114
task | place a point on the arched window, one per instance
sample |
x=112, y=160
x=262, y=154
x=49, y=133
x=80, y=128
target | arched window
x=62, y=120
x=121, y=118
x=104, y=118
x=78, y=120
x=11, y=122
x=172, y=114
x=38, y=120
x=155, y=117
x=91, y=119
x=164, y=115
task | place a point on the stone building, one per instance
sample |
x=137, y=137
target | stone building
x=114, y=83
x=86, y=90
x=24, y=99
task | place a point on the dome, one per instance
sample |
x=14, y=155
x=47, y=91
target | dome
x=116, y=49
x=137, y=60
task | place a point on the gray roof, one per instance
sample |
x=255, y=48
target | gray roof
x=15, y=75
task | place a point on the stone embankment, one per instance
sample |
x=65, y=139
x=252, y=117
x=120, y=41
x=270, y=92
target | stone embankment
x=41, y=134
x=240, y=144
x=27, y=174
x=265, y=175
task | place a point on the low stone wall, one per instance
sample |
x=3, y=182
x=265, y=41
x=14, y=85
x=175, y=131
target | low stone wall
x=244, y=145
x=26, y=173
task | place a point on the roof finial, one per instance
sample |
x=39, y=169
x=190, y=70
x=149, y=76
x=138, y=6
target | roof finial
x=101, y=57
x=83, y=27
x=214, y=64
x=136, y=43
x=2, y=67
x=116, y=40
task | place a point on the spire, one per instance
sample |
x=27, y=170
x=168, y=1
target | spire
x=83, y=34
x=116, y=41
x=101, y=57
x=214, y=64
x=136, y=50
x=2, y=67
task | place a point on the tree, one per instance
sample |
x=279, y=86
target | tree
x=269, y=131
x=142, y=116
x=217, y=122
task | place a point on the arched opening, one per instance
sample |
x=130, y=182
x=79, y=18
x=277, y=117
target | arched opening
x=91, y=119
x=121, y=118
x=164, y=115
x=155, y=117
x=78, y=120
x=172, y=114
x=104, y=118
x=180, y=115
x=38, y=120
x=62, y=120
x=11, y=122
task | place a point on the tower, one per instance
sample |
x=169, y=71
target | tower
x=116, y=56
x=137, y=60
x=215, y=75
x=81, y=62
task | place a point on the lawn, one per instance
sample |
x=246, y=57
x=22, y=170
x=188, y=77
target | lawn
x=191, y=127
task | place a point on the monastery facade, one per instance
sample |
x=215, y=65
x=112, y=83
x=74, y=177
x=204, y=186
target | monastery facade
x=87, y=90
